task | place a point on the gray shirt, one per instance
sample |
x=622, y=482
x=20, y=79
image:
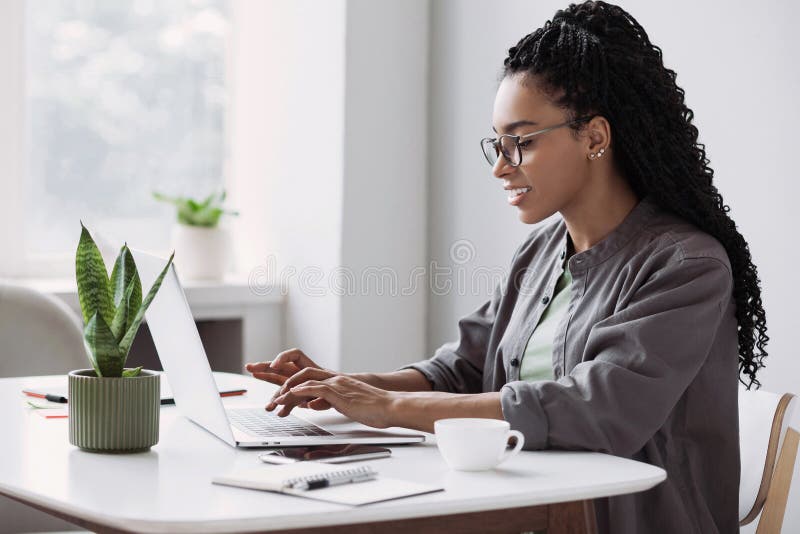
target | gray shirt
x=645, y=362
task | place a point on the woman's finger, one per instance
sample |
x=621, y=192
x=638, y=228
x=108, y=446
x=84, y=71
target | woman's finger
x=313, y=404
x=301, y=394
x=319, y=404
x=295, y=356
x=309, y=373
x=285, y=369
x=256, y=366
x=273, y=378
x=286, y=403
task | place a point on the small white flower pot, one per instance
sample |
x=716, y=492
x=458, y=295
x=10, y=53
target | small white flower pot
x=201, y=253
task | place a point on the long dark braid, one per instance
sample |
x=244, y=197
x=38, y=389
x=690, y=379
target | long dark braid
x=594, y=58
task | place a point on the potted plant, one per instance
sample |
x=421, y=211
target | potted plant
x=112, y=408
x=204, y=246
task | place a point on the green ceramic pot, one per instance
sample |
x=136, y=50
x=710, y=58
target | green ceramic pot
x=114, y=414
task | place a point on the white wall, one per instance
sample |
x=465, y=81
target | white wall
x=737, y=63
x=329, y=168
x=385, y=178
x=287, y=157
x=467, y=205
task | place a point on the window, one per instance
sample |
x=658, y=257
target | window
x=121, y=98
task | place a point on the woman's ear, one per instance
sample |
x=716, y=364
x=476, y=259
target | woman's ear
x=598, y=135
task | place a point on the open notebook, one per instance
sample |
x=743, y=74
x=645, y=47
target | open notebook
x=280, y=478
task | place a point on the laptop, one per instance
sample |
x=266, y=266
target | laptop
x=196, y=395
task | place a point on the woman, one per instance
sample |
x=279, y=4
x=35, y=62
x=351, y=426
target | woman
x=623, y=326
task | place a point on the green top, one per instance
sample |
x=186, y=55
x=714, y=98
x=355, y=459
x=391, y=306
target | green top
x=537, y=361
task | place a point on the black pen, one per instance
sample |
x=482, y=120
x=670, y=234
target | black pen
x=325, y=482
x=46, y=396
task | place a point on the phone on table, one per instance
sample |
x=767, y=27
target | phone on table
x=332, y=454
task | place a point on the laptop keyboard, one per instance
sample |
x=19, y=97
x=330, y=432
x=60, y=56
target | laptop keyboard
x=259, y=422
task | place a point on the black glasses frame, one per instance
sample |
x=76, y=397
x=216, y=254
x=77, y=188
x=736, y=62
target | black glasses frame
x=493, y=146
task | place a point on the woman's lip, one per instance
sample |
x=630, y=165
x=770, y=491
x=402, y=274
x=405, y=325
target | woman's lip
x=516, y=199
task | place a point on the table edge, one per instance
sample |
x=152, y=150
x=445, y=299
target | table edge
x=331, y=518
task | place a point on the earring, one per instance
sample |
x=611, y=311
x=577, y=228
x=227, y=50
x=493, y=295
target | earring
x=592, y=155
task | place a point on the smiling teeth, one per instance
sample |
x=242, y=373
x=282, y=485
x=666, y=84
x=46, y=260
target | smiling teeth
x=520, y=190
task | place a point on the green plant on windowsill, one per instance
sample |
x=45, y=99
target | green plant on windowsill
x=204, y=245
x=205, y=213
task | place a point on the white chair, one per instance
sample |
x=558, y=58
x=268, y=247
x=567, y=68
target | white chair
x=768, y=447
x=39, y=334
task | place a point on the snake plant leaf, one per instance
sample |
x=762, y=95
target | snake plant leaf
x=128, y=373
x=92, y=278
x=124, y=314
x=123, y=275
x=133, y=301
x=127, y=340
x=104, y=352
x=127, y=291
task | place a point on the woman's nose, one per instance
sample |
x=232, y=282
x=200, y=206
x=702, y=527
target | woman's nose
x=501, y=167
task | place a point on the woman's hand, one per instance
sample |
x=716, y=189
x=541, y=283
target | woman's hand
x=290, y=368
x=285, y=364
x=352, y=397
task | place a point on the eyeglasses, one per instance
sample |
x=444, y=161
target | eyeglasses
x=508, y=144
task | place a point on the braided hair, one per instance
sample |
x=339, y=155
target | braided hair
x=594, y=58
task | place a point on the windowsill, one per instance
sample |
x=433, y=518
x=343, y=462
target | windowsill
x=261, y=312
x=232, y=291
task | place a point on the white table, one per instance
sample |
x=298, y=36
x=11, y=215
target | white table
x=168, y=489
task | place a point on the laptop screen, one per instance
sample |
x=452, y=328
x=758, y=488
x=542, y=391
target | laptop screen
x=180, y=349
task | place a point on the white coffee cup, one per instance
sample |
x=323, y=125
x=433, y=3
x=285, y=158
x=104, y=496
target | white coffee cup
x=473, y=444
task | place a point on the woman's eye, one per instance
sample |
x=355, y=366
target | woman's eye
x=525, y=144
